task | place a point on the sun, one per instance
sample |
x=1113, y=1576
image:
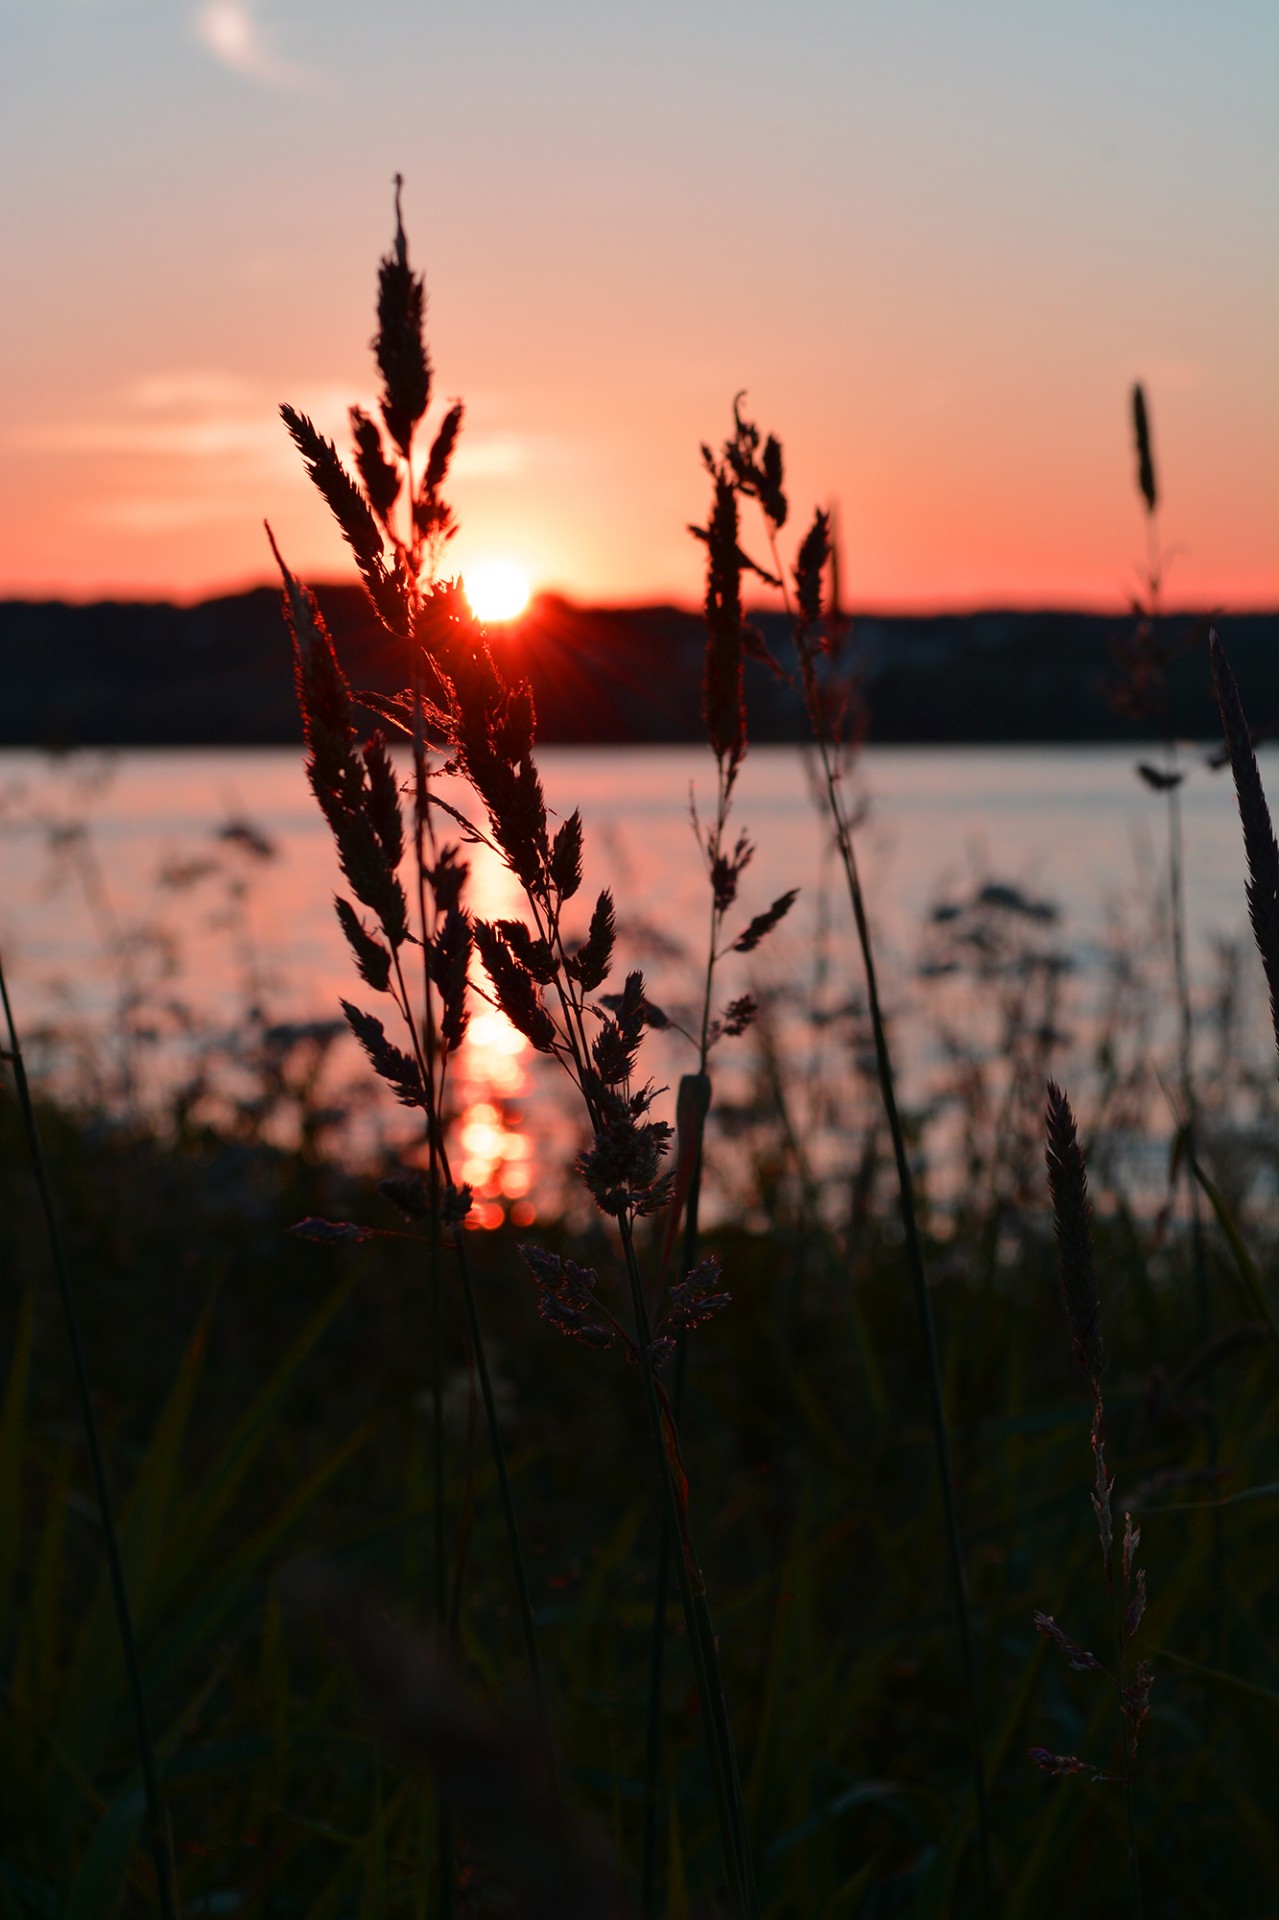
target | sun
x=497, y=590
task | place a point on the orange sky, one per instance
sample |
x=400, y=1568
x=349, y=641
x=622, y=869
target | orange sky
x=934, y=244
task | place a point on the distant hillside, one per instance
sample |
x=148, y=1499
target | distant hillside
x=121, y=674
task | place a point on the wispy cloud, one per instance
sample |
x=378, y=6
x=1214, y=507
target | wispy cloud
x=232, y=34
x=202, y=414
x=197, y=445
x=492, y=456
x=147, y=514
x=207, y=413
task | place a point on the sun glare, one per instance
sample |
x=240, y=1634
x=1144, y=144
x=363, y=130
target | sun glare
x=497, y=590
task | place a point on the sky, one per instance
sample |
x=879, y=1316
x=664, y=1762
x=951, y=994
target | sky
x=935, y=244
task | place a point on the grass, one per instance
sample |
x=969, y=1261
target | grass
x=746, y=469
x=157, y=1822
x=357, y=1628
x=821, y=1544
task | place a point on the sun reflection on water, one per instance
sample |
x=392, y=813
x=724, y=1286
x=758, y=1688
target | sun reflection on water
x=496, y=1152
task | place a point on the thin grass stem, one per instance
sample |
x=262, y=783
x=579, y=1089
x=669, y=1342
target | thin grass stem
x=492, y=1421
x=701, y=1634
x=915, y=1261
x=1130, y=1803
x=692, y=1207
x=157, y=1818
x=665, y=1546
x=1185, y=1050
x=924, y=1309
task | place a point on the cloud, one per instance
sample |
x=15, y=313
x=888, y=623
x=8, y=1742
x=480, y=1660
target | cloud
x=491, y=456
x=210, y=413
x=196, y=445
x=198, y=415
x=229, y=31
x=147, y=514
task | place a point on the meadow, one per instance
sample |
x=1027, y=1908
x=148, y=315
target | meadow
x=866, y=1544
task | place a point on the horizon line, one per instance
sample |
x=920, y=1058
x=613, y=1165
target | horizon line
x=931, y=607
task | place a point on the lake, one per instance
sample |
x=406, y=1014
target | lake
x=147, y=898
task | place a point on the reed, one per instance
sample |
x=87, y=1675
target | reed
x=1258, y=832
x=1141, y=682
x=543, y=982
x=841, y=1649
x=724, y=712
x=752, y=466
x=1125, y=1595
x=838, y=1660
x=397, y=523
x=460, y=703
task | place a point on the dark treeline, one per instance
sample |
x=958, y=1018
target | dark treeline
x=150, y=674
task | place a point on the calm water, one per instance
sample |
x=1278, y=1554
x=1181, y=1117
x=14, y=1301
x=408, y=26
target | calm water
x=117, y=879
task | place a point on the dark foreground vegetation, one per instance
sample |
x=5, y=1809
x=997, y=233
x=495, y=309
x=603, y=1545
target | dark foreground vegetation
x=265, y=1401
x=902, y=1545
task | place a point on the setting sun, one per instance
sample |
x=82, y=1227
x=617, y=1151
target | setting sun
x=497, y=589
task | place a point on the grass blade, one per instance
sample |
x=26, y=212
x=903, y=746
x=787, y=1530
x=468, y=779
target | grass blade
x=157, y=1817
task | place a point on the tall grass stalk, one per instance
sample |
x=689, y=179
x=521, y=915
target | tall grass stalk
x=460, y=701
x=424, y=1086
x=923, y=1300
x=724, y=866
x=399, y=502
x=1260, y=845
x=447, y=1610
x=1125, y=1595
x=694, y=1102
x=621, y=1174
x=1170, y=782
x=441, y=1183
x=157, y=1816
x=752, y=467
x=702, y=1640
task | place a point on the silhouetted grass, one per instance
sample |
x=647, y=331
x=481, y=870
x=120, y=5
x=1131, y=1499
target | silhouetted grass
x=263, y=1402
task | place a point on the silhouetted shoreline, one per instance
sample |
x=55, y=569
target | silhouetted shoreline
x=219, y=673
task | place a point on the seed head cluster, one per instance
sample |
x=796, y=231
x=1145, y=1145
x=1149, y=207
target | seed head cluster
x=1258, y=832
x=1072, y=1222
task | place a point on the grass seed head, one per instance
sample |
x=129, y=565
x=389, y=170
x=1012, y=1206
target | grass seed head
x=449, y=957
x=371, y=957
x=398, y=344
x=591, y=962
x=1258, y=832
x=763, y=923
x=738, y=1015
x=383, y=799
x=1075, y=1656
x=379, y=476
x=622, y=1170
x=530, y=950
x=723, y=704
x=1145, y=455
x=447, y=878
x=432, y=516
x=757, y=473
x=566, y=1297
x=517, y=995
x=346, y=503
x=1072, y=1220
x=697, y=1298
x=566, y=857
x=401, y=1074
x=810, y=565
